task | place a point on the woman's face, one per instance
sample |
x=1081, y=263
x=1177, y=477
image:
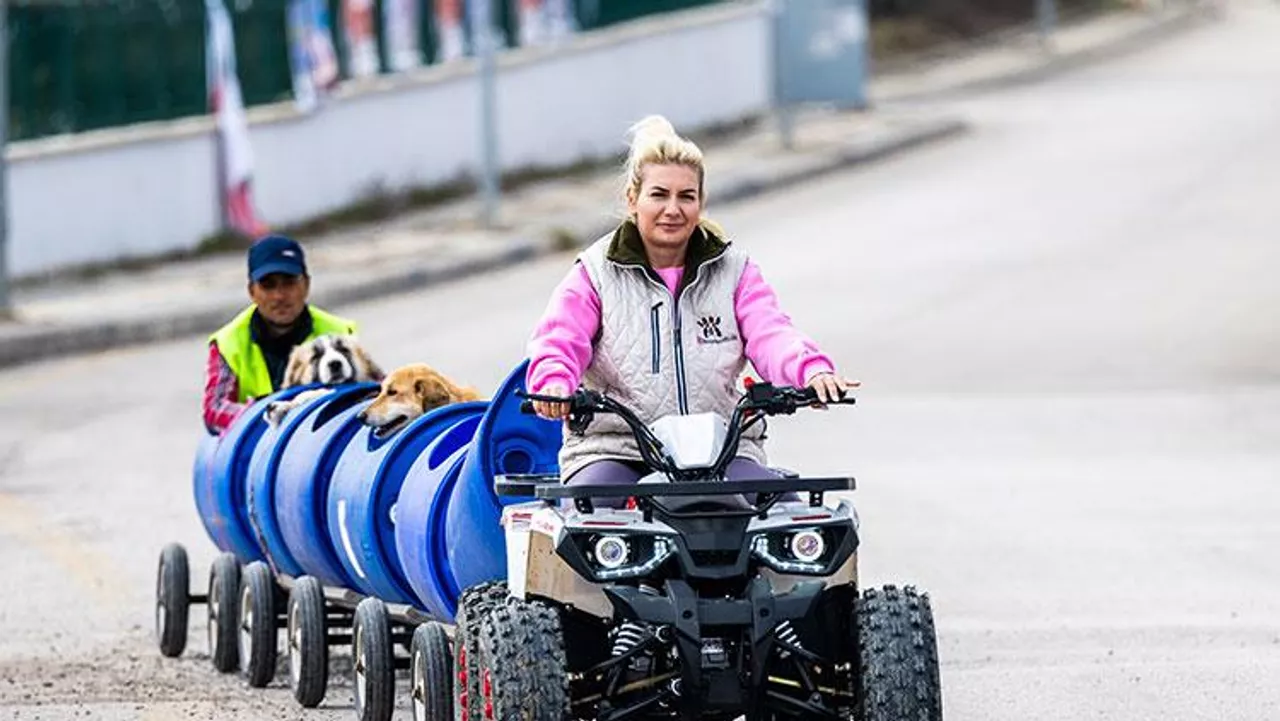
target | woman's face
x=668, y=206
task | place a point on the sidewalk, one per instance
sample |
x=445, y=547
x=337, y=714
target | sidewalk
x=442, y=243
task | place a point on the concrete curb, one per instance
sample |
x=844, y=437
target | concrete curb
x=39, y=342
x=1170, y=23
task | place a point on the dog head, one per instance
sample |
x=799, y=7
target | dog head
x=409, y=392
x=330, y=360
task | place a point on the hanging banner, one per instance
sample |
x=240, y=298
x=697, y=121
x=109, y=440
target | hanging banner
x=235, y=155
x=400, y=32
x=311, y=55
x=450, y=33
x=312, y=59
x=360, y=39
x=543, y=22
x=561, y=22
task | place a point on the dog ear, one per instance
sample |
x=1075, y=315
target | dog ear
x=299, y=368
x=371, y=369
x=432, y=393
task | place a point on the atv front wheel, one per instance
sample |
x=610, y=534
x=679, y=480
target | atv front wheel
x=474, y=605
x=523, y=667
x=898, y=657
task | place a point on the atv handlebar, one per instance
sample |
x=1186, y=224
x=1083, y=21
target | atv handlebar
x=761, y=399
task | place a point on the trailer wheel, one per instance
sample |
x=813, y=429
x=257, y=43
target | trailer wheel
x=258, y=637
x=374, y=666
x=432, y=673
x=307, y=647
x=224, y=595
x=173, y=602
x=473, y=606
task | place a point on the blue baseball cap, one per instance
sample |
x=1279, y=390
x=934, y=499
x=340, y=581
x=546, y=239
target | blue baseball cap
x=276, y=254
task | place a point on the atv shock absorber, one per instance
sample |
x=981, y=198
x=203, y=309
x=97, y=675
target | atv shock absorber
x=787, y=635
x=628, y=636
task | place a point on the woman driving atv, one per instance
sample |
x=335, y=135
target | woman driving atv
x=662, y=315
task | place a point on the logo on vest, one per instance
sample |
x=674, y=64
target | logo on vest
x=710, y=332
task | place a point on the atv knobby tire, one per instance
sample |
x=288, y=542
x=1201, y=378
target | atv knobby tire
x=898, y=654
x=523, y=661
x=476, y=603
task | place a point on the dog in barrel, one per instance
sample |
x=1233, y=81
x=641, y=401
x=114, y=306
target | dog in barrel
x=412, y=391
x=330, y=360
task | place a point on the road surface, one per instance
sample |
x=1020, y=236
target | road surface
x=1067, y=327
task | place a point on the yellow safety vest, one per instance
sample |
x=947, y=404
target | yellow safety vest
x=235, y=343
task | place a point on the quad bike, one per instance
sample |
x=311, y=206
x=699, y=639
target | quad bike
x=688, y=596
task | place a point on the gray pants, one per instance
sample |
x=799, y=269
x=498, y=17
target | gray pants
x=617, y=473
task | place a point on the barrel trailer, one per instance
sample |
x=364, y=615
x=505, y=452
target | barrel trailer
x=448, y=552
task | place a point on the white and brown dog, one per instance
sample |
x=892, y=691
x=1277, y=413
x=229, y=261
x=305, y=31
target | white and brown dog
x=409, y=392
x=328, y=359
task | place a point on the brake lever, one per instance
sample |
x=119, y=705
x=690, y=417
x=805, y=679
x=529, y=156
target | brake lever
x=579, y=421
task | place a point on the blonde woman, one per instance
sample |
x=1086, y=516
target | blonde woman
x=662, y=314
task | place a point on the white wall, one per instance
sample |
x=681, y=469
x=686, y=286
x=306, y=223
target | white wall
x=148, y=189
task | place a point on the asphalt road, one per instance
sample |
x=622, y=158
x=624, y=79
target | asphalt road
x=1067, y=327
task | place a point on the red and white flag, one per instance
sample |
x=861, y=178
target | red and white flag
x=235, y=155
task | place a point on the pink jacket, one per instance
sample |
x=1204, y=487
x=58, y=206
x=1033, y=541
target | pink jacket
x=561, y=347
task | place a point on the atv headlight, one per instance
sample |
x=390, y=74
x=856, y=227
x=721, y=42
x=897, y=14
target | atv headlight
x=803, y=551
x=614, y=556
x=611, y=551
x=807, y=545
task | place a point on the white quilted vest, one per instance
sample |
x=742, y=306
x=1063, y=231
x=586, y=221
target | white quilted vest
x=660, y=355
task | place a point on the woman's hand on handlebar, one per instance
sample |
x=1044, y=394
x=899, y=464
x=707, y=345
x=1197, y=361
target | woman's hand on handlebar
x=830, y=387
x=552, y=410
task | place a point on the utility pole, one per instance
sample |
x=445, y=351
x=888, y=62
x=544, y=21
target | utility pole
x=483, y=42
x=1046, y=18
x=6, y=308
x=782, y=110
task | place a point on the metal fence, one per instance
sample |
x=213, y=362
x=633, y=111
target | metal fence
x=77, y=65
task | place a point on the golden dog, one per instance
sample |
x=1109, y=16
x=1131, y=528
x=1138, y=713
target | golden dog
x=409, y=392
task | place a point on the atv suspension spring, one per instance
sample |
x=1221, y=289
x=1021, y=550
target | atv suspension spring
x=787, y=634
x=629, y=635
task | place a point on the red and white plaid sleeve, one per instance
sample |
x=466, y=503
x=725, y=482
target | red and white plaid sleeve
x=221, y=390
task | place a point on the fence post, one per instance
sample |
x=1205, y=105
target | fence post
x=6, y=309
x=483, y=42
x=782, y=109
x=1046, y=19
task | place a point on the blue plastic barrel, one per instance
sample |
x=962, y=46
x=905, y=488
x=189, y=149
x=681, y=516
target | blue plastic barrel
x=202, y=480
x=220, y=493
x=303, y=475
x=420, y=519
x=261, y=476
x=506, y=441
x=366, y=483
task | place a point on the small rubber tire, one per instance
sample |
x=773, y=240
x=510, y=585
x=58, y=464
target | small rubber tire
x=224, y=598
x=431, y=673
x=258, y=630
x=173, y=600
x=373, y=667
x=474, y=605
x=525, y=671
x=308, y=650
x=897, y=646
